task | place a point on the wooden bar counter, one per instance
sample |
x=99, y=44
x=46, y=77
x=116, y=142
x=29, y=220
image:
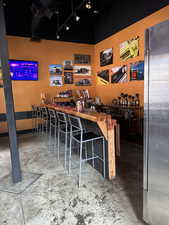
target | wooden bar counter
x=106, y=125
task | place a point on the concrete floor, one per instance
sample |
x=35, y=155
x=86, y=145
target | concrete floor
x=55, y=199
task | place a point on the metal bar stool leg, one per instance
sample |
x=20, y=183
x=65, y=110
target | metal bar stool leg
x=93, y=154
x=80, y=168
x=104, y=159
x=58, y=141
x=33, y=124
x=41, y=125
x=70, y=154
x=46, y=127
x=37, y=124
x=86, y=150
x=36, y=115
x=55, y=134
x=50, y=133
x=66, y=137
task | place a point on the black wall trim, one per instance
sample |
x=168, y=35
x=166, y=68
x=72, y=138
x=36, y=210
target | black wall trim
x=18, y=132
x=18, y=116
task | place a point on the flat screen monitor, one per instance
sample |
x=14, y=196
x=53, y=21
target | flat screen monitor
x=23, y=70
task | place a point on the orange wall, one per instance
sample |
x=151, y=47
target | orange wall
x=45, y=52
x=108, y=92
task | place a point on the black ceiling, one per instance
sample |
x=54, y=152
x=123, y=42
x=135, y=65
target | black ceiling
x=113, y=16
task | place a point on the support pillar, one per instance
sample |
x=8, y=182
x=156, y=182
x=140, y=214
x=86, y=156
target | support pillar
x=10, y=113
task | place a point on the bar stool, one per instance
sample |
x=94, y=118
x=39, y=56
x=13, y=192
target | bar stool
x=64, y=128
x=53, y=123
x=39, y=120
x=82, y=138
x=45, y=120
x=34, y=119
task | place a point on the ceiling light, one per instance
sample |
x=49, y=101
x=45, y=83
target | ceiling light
x=77, y=18
x=88, y=4
x=58, y=37
x=67, y=28
x=96, y=11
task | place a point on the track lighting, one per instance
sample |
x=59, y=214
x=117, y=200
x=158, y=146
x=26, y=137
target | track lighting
x=88, y=4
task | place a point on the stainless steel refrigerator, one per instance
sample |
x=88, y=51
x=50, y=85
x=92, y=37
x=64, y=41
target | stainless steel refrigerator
x=156, y=125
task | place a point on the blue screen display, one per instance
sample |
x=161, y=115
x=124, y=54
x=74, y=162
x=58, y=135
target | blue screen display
x=23, y=70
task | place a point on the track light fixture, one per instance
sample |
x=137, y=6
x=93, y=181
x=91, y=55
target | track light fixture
x=77, y=18
x=67, y=27
x=88, y=4
x=96, y=11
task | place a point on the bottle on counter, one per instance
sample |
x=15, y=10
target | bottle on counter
x=129, y=100
x=126, y=99
x=137, y=100
x=122, y=98
x=78, y=106
x=133, y=101
x=119, y=101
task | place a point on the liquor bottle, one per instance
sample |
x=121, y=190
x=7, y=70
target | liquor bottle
x=119, y=100
x=122, y=98
x=129, y=100
x=133, y=101
x=126, y=99
x=137, y=100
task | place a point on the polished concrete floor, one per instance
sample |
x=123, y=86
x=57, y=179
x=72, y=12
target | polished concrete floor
x=55, y=199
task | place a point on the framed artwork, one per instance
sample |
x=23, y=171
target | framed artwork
x=106, y=57
x=82, y=70
x=55, y=69
x=103, y=77
x=56, y=81
x=68, y=65
x=129, y=49
x=83, y=81
x=119, y=74
x=68, y=77
x=82, y=59
x=137, y=70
